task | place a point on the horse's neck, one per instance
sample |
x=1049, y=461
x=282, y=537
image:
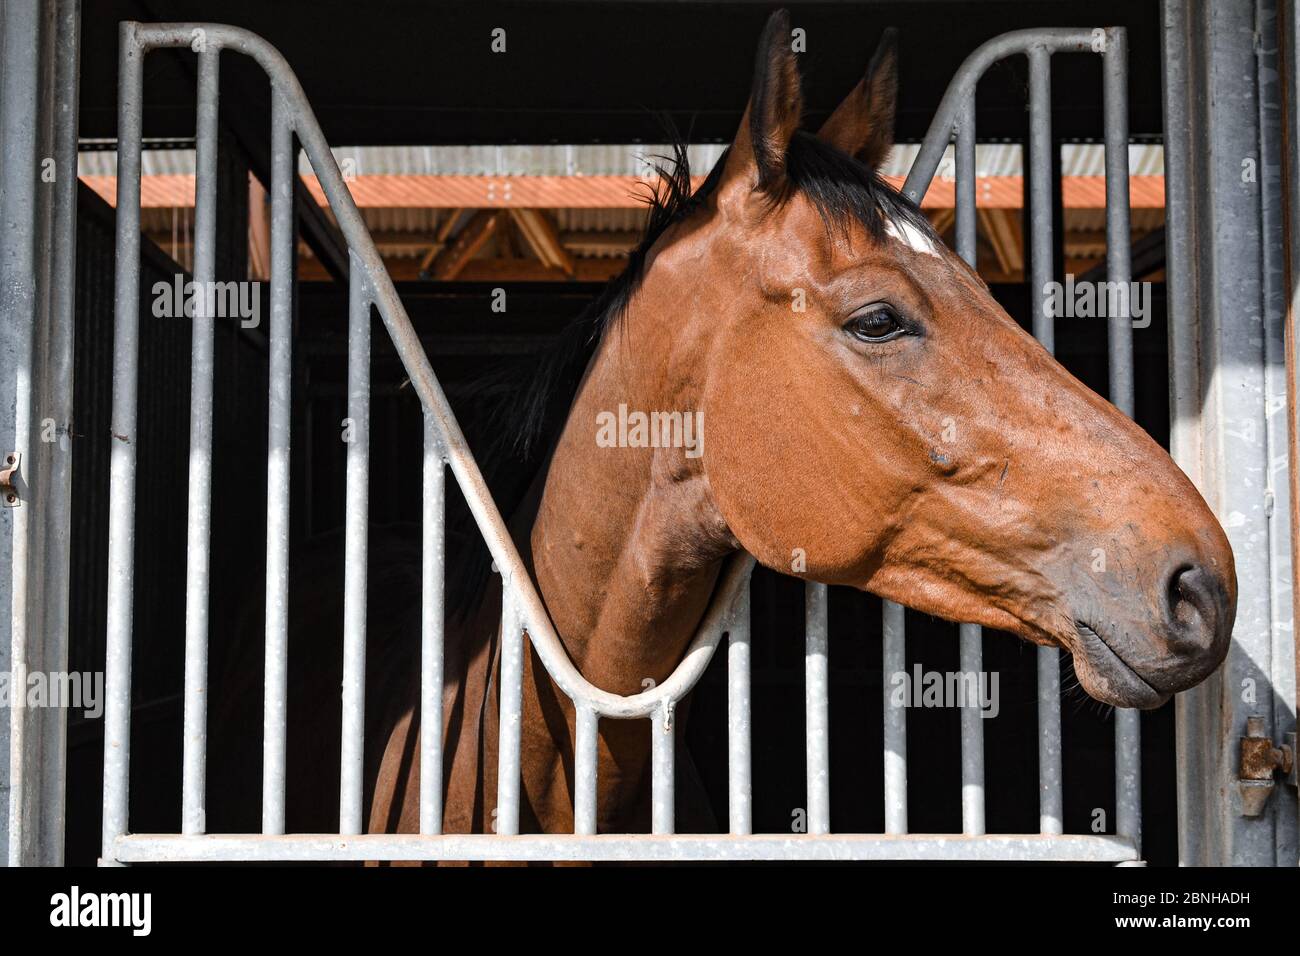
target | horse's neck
x=627, y=543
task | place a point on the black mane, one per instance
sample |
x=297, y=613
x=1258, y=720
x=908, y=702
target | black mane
x=526, y=419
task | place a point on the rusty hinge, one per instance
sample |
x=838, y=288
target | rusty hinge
x=8, y=483
x=1260, y=760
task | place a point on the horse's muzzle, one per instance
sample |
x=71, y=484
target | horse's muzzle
x=1188, y=626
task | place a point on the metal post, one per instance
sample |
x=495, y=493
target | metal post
x=662, y=771
x=970, y=636
x=20, y=308
x=199, y=518
x=511, y=720
x=895, y=665
x=1227, y=303
x=274, y=720
x=739, y=784
x=121, y=517
x=816, y=708
x=432, y=617
x=1128, y=727
x=1050, y=800
x=355, y=551
x=584, y=770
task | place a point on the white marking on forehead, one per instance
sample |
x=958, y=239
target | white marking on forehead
x=912, y=237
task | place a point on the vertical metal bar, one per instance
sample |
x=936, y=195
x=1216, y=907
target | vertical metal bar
x=662, y=771
x=970, y=636
x=1119, y=269
x=972, y=733
x=895, y=665
x=432, y=618
x=817, y=709
x=199, y=518
x=355, y=551
x=1050, y=799
x=965, y=186
x=739, y=783
x=122, y=461
x=584, y=769
x=511, y=722
x=57, y=374
x=274, y=718
x=24, y=223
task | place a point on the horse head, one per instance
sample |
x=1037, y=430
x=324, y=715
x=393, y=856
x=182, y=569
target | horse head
x=875, y=419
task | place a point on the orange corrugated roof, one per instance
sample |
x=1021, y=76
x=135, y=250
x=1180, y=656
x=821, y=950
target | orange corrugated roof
x=605, y=192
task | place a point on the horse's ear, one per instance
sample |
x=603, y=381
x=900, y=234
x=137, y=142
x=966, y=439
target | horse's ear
x=757, y=157
x=863, y=125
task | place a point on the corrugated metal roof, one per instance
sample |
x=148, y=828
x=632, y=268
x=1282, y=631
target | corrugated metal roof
x=991, y=159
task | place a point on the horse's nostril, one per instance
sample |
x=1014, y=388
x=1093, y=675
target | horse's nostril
x=1197, y=604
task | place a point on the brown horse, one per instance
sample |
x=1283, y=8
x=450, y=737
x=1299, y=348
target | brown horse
x=873, y=418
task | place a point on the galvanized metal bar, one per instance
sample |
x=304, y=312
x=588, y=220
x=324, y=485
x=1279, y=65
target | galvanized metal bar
x=662, y=771
x=970, y=636
x=432, y=619
x=972, y=732
x=274, y=718
x=611, y=847
x=122, y=458
x=21, y=36
x=57, y=391
x=511, y=712
x=1050, y=794
x=584, y=770
x=895, y=718
x=739, y=783
x=356, y=524
x=817, y=708
x=1128, y=728
x=198, y=553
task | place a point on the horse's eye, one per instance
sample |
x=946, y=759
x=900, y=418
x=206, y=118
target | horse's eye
x=876, y=323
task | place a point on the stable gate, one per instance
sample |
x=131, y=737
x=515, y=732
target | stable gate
x=1232, y=361
x=444, y=447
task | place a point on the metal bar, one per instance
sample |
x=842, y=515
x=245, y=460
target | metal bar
x=894, y=666
x=199, y=518
x=1128, y=728
x=57, y=375
x=584, y=770
x=20, y=309
x=122, y=460
x=619, y=847
x=355, y=555
x=972, y=732
x=432, y=618
x=970, y=635
x=817, y=709
x=1050, y=798
x=739, y=783
x=511, y=719
x=662, y=771
x=274, y=719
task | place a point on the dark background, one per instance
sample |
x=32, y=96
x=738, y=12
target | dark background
x=421, y=73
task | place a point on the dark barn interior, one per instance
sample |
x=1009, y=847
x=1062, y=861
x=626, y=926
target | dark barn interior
x=404, y=73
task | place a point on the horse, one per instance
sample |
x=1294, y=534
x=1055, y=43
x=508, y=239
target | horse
x=871, y=418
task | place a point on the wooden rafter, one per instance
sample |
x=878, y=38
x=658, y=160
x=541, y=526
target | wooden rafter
x=472, y=237
x=543, y=238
